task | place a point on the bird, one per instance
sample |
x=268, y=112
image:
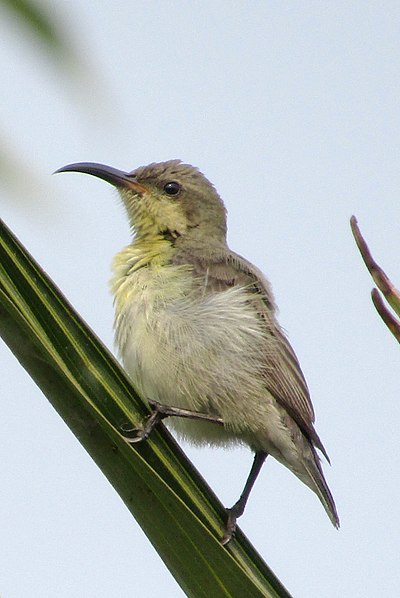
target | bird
x=197, y=330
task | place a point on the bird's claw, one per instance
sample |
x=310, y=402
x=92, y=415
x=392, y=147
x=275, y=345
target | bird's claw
x=138, y=435
x=141, y=434
x=230, y=527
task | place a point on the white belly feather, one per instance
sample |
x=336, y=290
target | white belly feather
x=203, y=352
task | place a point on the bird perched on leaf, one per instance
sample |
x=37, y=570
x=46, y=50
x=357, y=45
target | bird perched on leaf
x=196, y=328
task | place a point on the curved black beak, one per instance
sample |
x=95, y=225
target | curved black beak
x=115, y=177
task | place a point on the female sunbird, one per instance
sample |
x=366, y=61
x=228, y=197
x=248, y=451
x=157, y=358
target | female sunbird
x=196, y=328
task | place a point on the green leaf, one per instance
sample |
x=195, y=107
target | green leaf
x=38, y=20
x=174, y=506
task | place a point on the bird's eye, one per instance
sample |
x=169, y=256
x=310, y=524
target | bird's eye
x=172, y=188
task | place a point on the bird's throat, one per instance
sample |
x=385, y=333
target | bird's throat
x=142, y=252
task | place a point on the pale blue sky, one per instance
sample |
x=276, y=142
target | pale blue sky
x=292, y=110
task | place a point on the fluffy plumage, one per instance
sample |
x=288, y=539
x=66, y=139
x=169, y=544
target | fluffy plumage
x=196, y=326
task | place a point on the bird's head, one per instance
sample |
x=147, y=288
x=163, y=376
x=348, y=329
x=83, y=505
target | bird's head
x=165, y=198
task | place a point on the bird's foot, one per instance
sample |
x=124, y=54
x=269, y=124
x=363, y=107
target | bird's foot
x=238, y=508
x=159, y=413
x=230, y=527
x=140, y=434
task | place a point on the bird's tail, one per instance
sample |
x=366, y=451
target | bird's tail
x=318, y=484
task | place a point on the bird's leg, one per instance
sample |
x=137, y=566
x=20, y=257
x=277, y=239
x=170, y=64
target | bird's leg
x=238, y=508
x=160, y=412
